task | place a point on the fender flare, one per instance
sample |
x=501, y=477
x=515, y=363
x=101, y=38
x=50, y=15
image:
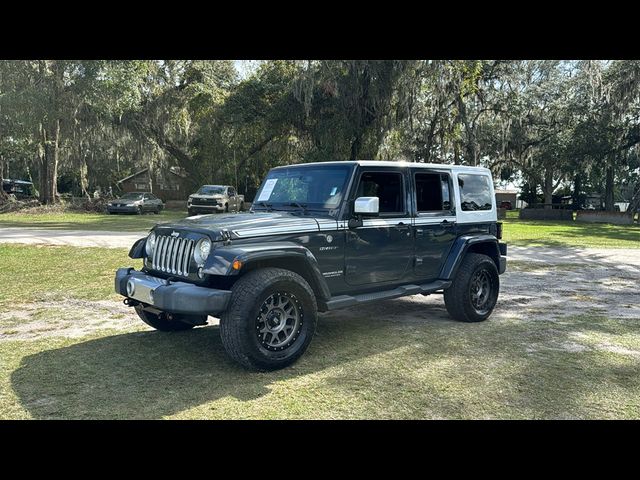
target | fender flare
x=221, y=260
x=461, y=246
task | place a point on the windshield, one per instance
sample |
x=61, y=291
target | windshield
x=211, y=190
x=317, y=187
x=131, y=196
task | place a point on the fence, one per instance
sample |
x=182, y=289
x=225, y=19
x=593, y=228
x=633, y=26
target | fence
x=617, y=218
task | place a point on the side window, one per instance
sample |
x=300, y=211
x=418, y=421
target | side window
x=145, y=196
x=388, y=187
x=432, y=192
x=475, y=192
x=232, y=192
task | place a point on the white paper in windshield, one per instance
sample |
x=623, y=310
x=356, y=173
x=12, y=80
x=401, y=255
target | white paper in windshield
x=269, y=185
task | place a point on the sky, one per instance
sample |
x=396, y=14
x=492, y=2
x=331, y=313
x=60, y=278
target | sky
x=246, y=67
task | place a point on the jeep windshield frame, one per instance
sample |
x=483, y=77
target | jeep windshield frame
x=304, y=188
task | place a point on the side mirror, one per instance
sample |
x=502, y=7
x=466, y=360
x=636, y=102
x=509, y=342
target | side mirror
x=364, y=206
x=367, y=206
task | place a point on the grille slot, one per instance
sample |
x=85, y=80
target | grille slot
x=172, y=255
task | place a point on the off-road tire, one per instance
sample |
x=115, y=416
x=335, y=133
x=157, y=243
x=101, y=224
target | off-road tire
x=226, y=208
x=163, y=323
x=238, y=324
x=242, y=207
x=458, y=297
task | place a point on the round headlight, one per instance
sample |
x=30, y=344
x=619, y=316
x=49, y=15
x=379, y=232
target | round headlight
x=150, y=245
x=202, y=251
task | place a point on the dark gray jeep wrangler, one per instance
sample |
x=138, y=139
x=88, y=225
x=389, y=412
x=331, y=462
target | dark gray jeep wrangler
x=322, y=236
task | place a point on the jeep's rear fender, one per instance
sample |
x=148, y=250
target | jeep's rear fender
x=484, y=244
x=288, y=255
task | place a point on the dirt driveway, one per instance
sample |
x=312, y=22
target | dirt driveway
x=545, y=283
x=76, y=238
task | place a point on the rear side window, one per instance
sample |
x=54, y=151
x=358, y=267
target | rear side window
x=475, y=192
x=432, y=192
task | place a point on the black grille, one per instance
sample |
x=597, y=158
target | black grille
x=173, y=255
x=204, y=201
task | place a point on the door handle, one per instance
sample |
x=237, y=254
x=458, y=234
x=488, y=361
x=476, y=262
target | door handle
x=419, y=232
x=447, y=224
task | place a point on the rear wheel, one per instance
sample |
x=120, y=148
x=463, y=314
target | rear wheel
x=474, y=292
x=167, y=322
x=271, y=319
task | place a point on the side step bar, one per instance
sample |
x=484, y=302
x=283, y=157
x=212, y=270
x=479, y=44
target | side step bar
x=342, y=301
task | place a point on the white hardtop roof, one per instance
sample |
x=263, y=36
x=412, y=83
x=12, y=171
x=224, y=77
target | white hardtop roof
x=384, y=163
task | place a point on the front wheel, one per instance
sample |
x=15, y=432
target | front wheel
x=166, y=322
x=474, y=292
x=270, y=320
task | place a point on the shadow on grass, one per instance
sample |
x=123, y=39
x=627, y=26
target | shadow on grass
x=399, y=358
x=150, y=374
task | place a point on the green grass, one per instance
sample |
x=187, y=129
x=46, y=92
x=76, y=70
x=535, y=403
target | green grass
x=569, y=234
x=89, y=221
x=397, y=359
x=29, y=273
x=365, y=367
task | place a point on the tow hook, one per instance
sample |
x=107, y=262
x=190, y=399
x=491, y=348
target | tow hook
x=129, y=302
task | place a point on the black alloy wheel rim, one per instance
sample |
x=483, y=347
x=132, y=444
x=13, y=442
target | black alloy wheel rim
x=481, y=290
x=279, y=321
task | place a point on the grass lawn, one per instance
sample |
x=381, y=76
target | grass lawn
x=89, y=221
x=61, y=272
x=400, y=358
x=557, y=234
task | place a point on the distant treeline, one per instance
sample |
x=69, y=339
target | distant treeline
x=81, y=125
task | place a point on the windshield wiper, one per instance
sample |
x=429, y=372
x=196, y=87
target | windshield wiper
x=303, y=206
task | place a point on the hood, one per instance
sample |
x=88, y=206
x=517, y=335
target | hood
x=198, y=195
x=244, y=225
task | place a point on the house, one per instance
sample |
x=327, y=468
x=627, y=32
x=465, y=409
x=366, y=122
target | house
x=167, y=184
x=507, y=196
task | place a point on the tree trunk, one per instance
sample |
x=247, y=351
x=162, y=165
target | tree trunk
x=355, y=147
x=49, y=164
x=577, y=187
x=608, y=195
x=3, y=195
x=548, y=188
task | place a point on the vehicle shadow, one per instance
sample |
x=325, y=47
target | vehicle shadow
x=150, y=374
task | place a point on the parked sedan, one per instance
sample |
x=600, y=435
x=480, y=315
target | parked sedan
x=136, y=202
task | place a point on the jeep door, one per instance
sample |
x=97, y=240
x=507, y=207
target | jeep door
x=434, y=222
x=381, y=250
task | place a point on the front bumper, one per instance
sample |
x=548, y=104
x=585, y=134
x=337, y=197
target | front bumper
x=125, y=209
x=174, y=297
x=205, y=208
